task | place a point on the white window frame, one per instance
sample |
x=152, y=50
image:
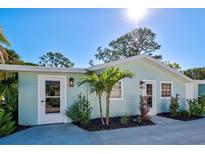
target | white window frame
x=119, y=99
x=161, y=89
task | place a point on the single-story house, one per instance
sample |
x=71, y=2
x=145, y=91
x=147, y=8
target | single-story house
x=45, y=93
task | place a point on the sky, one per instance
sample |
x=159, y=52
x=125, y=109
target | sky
x=77, y=33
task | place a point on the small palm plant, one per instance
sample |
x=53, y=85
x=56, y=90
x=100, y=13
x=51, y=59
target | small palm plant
x=109, y=78
x=3, y=41
x=96, y=85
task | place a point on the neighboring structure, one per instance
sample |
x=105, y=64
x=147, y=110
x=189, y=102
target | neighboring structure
x=45, y=93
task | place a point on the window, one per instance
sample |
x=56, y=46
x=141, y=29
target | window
x=117, y=91
x=52, y=97
x=166, y=89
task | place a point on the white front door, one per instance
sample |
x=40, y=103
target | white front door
x=149, y=91
x=189, y=91
x=52, y=99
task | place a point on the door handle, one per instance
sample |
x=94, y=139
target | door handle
x=42, y=101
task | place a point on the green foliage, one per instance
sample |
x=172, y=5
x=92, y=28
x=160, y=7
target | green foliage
x=173, y=65
x=138, y=41
x=95, y=84
x=7, y=125
x=184, y=113
x=174, y=106
x=202, y=100
x=125, y=119
x=191, y=103
x=80, y=111
x=3, y=42
x=8, y=91
x=195, y=73
x=144, y=107
x=139, y=119
x=109, y=77
x=14, y=58
x=3, y=39
x=196, y=108
x=55, y=59
x=104, y=82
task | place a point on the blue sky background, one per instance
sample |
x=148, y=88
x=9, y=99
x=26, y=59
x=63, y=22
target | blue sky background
x=78, y=32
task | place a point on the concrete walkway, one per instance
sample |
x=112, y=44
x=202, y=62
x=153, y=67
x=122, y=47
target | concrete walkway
x=52, y=134
x=166, y=131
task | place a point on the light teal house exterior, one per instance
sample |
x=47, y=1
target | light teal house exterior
x=45, y=93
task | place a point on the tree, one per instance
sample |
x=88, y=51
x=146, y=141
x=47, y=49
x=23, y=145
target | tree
x=138, y=41
x=109, y=78
x=91, y=63
x=55, y=59
x=14, y=58
x=9, y=84
x=96, y=85
x=173, y=65
x=3, y=42
x=195, y=73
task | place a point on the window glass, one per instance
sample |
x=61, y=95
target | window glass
x=117, y=90
x=52, y=104
x=166, y=89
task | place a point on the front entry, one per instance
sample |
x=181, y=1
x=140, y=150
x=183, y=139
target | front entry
x=149, y=91
x=52, y=99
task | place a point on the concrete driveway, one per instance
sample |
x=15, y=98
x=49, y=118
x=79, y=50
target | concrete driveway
x=167, y=131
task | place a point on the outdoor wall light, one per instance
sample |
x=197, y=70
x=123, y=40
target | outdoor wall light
x=141, y=84
x=71, y=82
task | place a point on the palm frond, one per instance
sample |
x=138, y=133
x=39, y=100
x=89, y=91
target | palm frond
x=3, y=55
x=3, y=39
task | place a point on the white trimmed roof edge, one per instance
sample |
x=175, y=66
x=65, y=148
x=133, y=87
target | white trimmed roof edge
x=200, y=81
x=24, y=68
x=130, y=59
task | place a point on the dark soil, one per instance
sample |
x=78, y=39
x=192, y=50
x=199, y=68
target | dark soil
x=183, y=118
x=21, y=127
x=95, y=124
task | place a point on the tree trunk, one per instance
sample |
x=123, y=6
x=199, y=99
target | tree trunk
x=100, y=105
x=107, y=109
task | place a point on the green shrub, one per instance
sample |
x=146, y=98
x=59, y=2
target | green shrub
x=174, y=106
x=7, y=125
x=196, y=107
x=197, y=110
x=9, y=94
x=191, y=103
x=139, y=119
x=184, y=113
x=125, y=119
x=80, y=111
x=202, y=100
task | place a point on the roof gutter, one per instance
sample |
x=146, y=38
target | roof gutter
x=24, y=68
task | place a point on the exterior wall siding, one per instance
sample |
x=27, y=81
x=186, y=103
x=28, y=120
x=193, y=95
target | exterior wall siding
x=145, y=71
x=28, y=92
x=28, y=96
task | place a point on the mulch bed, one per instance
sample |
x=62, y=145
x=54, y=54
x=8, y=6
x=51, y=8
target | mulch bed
x=183, y=118
x=95, y=124
x=21, y=127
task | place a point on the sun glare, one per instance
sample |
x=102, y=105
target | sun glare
x=137, y=14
